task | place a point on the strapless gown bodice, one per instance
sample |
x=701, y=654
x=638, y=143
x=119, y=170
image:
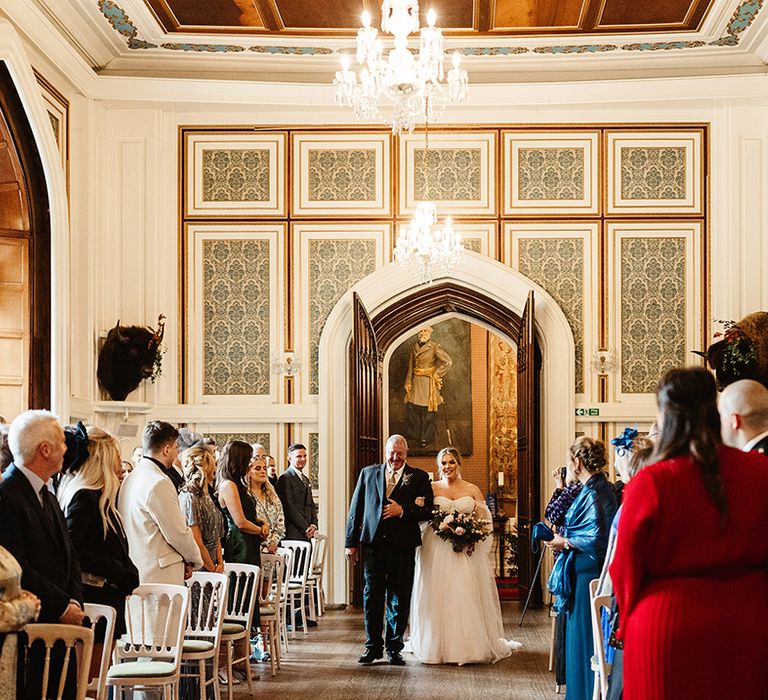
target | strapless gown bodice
x=455, y=613
x=462, y=504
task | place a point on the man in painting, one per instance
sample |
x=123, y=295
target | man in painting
x=428, y=363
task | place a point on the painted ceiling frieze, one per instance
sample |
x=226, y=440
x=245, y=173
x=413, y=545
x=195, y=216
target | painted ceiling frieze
x=742, y=18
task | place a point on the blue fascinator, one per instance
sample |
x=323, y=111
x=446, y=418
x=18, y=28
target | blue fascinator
x=625, y=442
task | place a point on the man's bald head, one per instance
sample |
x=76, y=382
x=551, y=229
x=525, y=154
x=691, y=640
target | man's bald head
x=743, y=410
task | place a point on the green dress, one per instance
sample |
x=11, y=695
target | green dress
x=242, y=547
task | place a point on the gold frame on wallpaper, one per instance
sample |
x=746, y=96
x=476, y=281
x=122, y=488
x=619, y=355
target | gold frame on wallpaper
x=275, y=143
x=304, y=143
x=196, y=232
x=515, y=141
x=691, y=204
x=302, y=233
x=465, y=131
x=484, y=141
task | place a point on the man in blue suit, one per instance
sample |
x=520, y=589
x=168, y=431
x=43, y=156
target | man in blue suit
x=384, y=518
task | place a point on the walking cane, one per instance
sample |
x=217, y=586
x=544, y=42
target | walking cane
x=530, y=589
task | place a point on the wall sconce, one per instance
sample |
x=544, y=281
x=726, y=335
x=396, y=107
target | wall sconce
x=603, y=362
x=288, y=364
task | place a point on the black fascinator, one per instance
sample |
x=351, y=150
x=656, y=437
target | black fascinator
x=76, y=438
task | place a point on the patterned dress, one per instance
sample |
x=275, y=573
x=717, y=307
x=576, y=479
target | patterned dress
x=200, y=510
x=273, y=514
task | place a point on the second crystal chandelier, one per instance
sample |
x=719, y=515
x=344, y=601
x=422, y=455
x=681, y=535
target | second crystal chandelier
x=415, y=85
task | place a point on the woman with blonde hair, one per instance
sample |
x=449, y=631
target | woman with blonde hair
x=203, y=517
x=88, y=497
x=268, y=506
x=456, y=611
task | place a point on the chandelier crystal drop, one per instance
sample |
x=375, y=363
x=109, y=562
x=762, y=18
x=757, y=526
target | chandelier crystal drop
x=427, y=250
x=415, y=86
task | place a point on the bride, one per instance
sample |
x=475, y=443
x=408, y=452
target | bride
x=455, y=611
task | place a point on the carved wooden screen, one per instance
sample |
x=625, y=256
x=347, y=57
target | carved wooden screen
x=526, y=447
x=365, y=391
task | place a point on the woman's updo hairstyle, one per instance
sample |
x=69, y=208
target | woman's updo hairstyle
x=591, y=452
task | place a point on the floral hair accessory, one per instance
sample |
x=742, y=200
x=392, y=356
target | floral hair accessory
x=625, y=442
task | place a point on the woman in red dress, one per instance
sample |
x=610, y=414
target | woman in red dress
x=691, y=566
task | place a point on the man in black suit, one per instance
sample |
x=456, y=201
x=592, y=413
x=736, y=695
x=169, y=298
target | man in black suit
x=295, y=493
x=388, y=503
x=743, y=410
x=32, y=526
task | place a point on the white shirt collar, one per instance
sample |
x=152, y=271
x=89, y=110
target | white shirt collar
x=34, y=481
x=749, y=445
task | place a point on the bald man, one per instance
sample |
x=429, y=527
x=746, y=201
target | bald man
x=743, y=410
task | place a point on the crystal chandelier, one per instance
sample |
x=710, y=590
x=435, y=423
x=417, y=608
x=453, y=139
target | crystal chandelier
x=422, y=246
x=415, y=86
x=425, y=249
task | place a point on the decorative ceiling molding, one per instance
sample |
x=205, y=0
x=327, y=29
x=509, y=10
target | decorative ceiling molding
x=743, y=17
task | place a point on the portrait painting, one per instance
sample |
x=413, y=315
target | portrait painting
x=430, y=388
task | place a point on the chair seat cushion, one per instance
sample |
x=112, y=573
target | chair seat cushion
x=141, y=669
x=196, y=646
x=267, y=612
x=232, y=627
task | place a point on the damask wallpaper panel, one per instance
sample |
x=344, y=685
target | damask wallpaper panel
x=563, y=259
x=551, y=173
x=234, y=312
x=477, y=237
x=329, y=259
x=344, y=175
x=655, y=172
x=458, y=173
x=235, y=175
x=655, y=280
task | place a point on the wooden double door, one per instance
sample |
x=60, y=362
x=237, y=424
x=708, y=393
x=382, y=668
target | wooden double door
x=370, y=340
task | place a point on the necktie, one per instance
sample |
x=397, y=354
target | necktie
x=391, y=482
x=50, y=511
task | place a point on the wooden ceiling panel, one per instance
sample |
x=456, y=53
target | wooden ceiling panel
x=202, y=15
x=461, y=17
x=519, y=15
x=328, y=14
x=629, y=14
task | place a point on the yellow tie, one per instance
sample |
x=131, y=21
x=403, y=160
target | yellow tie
x=391, y=482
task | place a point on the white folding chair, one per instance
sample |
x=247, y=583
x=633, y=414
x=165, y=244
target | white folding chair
x=149, y=654
x=207, y=605
x=317, y=572
x=96, y=613
x=287, y=555
x=269, y=605
x=242, y=596
x=75, y=639
x=598, y=663
x=297, y=586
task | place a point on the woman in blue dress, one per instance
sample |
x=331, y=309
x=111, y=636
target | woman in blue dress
x=583, y=540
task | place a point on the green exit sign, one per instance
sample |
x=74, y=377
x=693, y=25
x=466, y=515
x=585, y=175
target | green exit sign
x=587, y=411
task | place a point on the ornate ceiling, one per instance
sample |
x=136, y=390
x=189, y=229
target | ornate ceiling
x=458, y=17
x=503, y=40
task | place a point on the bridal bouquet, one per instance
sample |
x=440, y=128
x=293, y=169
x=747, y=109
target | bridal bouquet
x=462, y=530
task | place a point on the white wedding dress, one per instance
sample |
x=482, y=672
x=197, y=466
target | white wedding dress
x=455, y=611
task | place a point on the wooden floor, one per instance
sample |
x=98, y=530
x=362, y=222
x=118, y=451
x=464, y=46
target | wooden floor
x=323, y=664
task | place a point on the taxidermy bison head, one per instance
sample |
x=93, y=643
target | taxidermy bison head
x=742, y=352
x=128, y=356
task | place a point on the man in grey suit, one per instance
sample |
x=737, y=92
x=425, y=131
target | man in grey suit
x=295, y=493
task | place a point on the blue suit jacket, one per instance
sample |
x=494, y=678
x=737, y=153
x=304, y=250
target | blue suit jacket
x=368, y=503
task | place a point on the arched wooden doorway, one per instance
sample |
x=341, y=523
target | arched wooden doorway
x=371, y=337
x=25, y=261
